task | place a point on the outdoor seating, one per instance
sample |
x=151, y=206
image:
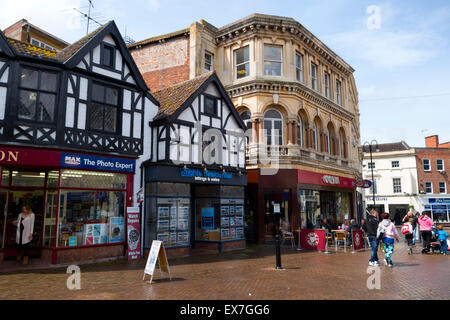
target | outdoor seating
x=340, y=237
x=287, y=235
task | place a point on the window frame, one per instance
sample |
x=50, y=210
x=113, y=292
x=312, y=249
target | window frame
x=439, y=187
x=104, y=47
x=236, y=65
x=431, y=187
x=272, y=120
x=118, y=107
x=211, y=62
x=314, y=85
x=399, y=186
x=371, y=165
x=280, y=62
x=327, y=84
x=397, y=162
x=38, y=91
x=216, y=107
x=442, y=164
x=338, y=92
x=299, y=69
x=429, y=165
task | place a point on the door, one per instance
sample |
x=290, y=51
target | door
x=3, y=210
x=15, y=201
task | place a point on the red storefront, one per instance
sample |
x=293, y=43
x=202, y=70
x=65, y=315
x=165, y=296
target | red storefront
x=297, y=198
x=79, y=201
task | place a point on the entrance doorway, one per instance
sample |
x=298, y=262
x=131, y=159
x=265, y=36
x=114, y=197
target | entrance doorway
x=397, y=212
x=276, y=212
x=11, y=203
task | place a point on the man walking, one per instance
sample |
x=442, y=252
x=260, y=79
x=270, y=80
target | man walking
x=406, y=218
x=370, y=226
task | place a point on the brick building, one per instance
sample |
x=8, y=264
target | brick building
x=433, y=163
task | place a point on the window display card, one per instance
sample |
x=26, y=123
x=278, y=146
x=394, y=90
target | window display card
x=232, y=233
x=224, y=222
x=116, y=229
x=232, y=221
x=163, y=225
x=225, y=234
x=164, y=237
x=224, y=211
x=183, y=224
x=239, y=233
x=183, y=213
x=163, y=212
x=239, y=221
x=239, y=210
x=173, y=238
x=173, y=212
x=183, y=237
x=173, y=225
x=232, y=210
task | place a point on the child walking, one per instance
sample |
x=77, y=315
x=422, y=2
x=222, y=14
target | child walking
x=389, y=233
x=443, y=240
x=408, y=232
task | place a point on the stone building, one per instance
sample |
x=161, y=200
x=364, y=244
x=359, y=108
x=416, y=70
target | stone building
x=297, y=97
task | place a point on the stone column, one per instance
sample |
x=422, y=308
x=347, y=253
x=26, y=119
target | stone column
x=254, y=130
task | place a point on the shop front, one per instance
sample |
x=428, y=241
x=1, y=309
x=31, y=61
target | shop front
x=437, y=207
x=194, y=209
x=79, y=201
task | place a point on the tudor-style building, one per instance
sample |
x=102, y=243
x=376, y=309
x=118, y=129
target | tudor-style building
x=195, y=177
x=72, y=125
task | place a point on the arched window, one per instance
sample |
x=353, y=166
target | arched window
x=315, y=136
x=299, y=131
x=273, y=125
x=245, y=116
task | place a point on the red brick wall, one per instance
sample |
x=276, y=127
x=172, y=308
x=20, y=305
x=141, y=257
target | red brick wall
x=163, y=64
x=235, y=245
x=433, y=176
x=89, y=254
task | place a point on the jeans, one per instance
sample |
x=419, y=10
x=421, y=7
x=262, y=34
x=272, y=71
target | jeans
x=426, y=236
x=374, y=245
x=443, y=248
x=23, y=248
x=415, y=233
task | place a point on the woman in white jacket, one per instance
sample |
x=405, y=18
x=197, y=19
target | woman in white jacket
x=24, y=234
x=387, y=232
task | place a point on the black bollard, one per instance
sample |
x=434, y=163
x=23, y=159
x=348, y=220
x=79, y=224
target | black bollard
x=278, y=251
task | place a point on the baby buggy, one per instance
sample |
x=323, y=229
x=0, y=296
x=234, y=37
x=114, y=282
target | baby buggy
x=434, y=242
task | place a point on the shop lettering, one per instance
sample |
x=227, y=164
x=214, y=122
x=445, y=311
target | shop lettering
x=212, y=175
x=331, y=180
x=10, y=155
x=108, y=164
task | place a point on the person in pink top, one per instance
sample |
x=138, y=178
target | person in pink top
x=388, y=234
x=425, y=224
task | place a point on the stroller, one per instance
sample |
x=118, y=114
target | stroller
x=434, y=242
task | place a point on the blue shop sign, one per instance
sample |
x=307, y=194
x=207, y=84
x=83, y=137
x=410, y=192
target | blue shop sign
x=439, y=208
x=83, y=161
x=195, y=173
x=439, y=200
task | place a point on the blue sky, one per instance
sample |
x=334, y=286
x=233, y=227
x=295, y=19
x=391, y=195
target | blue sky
x=402, y=67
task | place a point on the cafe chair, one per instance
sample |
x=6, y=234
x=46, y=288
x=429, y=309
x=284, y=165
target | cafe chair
x=329, y=237
x=341, y=237
x=287, y=235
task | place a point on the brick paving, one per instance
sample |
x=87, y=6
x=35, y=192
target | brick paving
x=245, y=274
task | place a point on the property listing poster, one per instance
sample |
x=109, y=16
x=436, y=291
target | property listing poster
x=133, y=233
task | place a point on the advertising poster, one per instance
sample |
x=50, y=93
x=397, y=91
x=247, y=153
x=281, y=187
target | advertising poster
x=276, y=208
x=183, y=237
x=116, y=229
x=224, y=222
x=312, y=239
x=72, y=241
x=232, y=222
x=183, y=213
x=239, y=221
x=173, y=224
x=133, y=233
x=224, y=211
x=239, y=233
x=183, y=224
x=164, y=237
x=173, y=238
x=163, y=213
x=225, y=234
x=173, y=213
x=239, y=210
x=232, y=233
x=163, y=225
x=207, y=218
x=358, y=240
x=232, y=210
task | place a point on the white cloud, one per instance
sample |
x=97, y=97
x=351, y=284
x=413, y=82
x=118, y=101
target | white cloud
x=154, y=5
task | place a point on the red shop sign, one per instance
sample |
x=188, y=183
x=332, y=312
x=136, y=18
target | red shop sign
x=358, y=239
x=10, y=156
x=308, y=177
x=133, y=233
x=313, y=239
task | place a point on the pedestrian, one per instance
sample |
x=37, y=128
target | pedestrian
x=406, y=218
x=407, y=231
x=416, y=229
x=425, y=224
x=442, y=240
x=370, y=227
x=388, y=234
x=24, y=234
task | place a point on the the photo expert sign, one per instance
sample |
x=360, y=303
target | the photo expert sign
x=133, y=233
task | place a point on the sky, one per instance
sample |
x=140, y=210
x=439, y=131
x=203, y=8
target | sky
x=399, y=49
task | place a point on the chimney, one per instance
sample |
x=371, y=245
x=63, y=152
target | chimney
x=432, y=142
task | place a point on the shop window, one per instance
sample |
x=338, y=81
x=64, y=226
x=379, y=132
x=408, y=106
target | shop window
x=5, y=177
x=89, y=217
x=92, y=179
x=242, y=62
x=53, y=179
x=104, y=108
x=273, y=61
x=28, y=179
x=309, y=208
x=37, y=95
x=342, y=207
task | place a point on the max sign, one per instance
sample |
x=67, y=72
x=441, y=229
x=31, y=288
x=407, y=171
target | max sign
x=83, y=161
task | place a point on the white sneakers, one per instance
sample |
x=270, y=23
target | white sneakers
x=374, y=263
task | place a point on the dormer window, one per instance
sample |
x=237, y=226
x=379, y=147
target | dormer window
x=108, y=56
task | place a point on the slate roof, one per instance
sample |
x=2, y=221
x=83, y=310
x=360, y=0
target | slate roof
x=388, y=147
x=172, y=98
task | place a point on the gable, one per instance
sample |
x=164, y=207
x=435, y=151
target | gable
x=4, y=46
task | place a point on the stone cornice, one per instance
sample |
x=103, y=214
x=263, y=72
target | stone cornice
x=293, y=88
x=279, y=26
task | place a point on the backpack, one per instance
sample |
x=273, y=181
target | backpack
x=407, y=228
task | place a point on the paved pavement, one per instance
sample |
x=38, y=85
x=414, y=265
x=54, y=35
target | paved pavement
x=245, y=274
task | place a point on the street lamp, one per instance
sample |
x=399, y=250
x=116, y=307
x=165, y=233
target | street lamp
x=372, y=143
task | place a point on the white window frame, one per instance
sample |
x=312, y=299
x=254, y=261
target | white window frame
x=338, y=92
x=316, y=147
x=437, y=165
x=400, y=185
x=429, y=164
x=314, y=76
x=300, y=131
x=240, y=64
x=431, y=187
x=299, y=67
x=280, y=62
x=439, y=187
x=397, y=162
x=327, y=84
x=272, y=133
x=42, y=44
x=328, y=142
x=207, y=53
x=371, y=165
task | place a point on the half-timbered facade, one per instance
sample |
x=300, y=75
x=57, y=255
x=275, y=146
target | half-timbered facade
x=72, y=126
x=196, y=175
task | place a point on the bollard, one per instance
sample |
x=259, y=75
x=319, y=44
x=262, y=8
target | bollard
x=278, y=251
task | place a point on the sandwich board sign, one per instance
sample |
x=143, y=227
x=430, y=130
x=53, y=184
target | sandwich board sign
x=157, y=253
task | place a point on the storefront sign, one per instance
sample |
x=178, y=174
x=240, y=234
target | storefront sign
x=358, y=239
x=308, y=177
x=313, y=239
x=133, y=233
x=29, y=157
x=83, y=161
x=439, y=200
x=207, y=218
x=205, y=176
x=439, y=208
